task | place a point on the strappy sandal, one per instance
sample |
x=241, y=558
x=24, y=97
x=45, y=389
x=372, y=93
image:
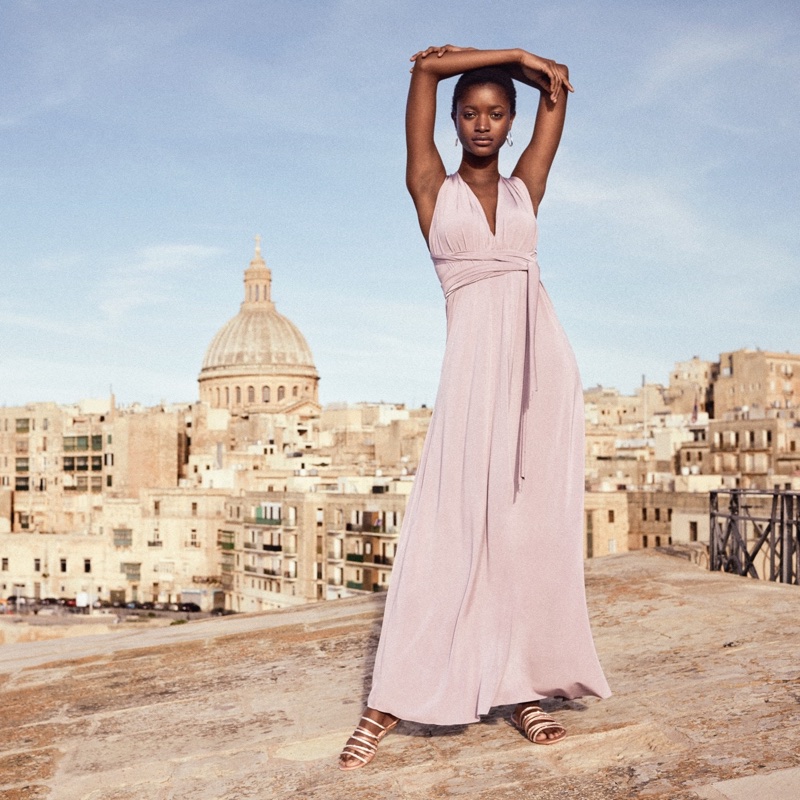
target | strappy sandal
x=532, y=721
x=369, y=741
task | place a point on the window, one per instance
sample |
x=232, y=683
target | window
x=23, y=425
x=251, y=394
x=123, y=537
x=295, y=391
x=669, y=515
x=281, y=392
x=37, y=564
x=22, y=465
x=63, y=564
x=156, y=507
x=227, y=396
x=109, y=481
x=97, y=463
x=658, y=515
x=87, y=564
x=194, y=509
x=265, y=394
x=21, y=484
x=45, y=424
x=82, y=463
x=692, y=531
x=610, y=514
x=108, y=439
x=217, y=391
x=644, y=515
x=133, y=571
x=612, y=545
x=4, y=565
x=238, y=395
x=97, y=441
x=24, y=521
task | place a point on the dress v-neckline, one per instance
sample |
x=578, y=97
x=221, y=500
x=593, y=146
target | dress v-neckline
x=492, y=233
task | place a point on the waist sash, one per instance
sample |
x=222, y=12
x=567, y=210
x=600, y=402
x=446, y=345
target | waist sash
x=456, y=270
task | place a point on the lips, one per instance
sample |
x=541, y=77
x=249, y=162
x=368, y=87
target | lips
x=481, y=141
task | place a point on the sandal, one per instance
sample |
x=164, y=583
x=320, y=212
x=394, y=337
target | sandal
x=532, y=721
x=369, y=741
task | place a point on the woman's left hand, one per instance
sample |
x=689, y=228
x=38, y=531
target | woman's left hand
x=440, y=51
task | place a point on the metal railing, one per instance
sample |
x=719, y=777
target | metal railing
x=757, y=535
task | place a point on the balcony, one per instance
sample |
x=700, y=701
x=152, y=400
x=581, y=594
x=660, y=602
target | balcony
x=226, y=545
x=355, y=557
x=155, y=543
x=354, y=585
x=292, y=576
x=262, y=521
x=273, y=573
x=333, y=556
x=384, y=560
x=273, y=548
x=251, y=569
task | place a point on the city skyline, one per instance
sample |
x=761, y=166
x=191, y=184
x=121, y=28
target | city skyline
x=146, y=146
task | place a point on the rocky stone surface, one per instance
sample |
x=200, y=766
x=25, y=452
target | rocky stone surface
x=705, y=670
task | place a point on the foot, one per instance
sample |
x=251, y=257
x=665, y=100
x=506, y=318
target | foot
x=538, y=727
x=363, y=744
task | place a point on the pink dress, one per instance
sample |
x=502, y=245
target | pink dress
x=486, y=605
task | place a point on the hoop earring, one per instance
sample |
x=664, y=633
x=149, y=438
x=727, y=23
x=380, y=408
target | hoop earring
x=509, y=140
x=456, y=144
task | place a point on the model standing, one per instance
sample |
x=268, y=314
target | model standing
x=486, y=605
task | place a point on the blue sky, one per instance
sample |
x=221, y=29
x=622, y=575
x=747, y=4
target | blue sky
x=145, y=144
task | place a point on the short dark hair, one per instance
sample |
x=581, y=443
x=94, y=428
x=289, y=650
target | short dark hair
x=484, y=75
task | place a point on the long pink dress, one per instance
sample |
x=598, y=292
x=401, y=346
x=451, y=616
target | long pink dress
x=486, y=605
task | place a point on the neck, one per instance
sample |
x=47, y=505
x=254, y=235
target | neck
x=479, y=169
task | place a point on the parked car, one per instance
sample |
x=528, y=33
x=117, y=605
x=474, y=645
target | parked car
x=189, y=607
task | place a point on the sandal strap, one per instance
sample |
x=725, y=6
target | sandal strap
x=534, y=721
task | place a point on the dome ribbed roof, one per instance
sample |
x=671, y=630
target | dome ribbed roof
x=258, y=336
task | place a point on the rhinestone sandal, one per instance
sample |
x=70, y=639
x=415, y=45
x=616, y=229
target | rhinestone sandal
x=367, y=745
x=532, y=721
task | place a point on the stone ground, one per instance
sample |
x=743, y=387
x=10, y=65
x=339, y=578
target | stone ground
x=705, y=669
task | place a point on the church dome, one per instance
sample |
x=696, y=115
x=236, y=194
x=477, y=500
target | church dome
x=257, y=337
x=259, y=358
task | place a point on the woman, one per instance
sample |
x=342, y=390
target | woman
x=486, y=605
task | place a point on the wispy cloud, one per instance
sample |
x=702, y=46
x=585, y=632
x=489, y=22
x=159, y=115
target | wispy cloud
x=146, y=278
x=688, y=61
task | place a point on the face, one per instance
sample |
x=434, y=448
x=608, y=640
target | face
x=483, y=119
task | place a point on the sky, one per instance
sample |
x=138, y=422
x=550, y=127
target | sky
x=144, y=145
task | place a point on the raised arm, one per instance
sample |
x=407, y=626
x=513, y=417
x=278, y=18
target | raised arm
x=536, y=159
x=424, y=168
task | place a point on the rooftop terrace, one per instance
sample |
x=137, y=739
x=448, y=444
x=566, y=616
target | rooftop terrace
x=705, y=669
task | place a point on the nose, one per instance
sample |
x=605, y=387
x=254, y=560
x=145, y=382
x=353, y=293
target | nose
x=482, y=123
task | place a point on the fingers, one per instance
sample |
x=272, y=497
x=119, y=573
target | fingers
x=440, y=51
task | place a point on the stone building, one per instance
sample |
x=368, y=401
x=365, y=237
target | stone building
x=756, y=380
